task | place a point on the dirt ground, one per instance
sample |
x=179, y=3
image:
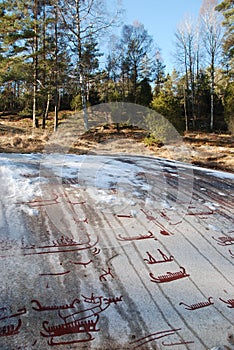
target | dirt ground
x=213, y=151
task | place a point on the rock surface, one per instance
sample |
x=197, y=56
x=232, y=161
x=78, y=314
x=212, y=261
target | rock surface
x=114, y=252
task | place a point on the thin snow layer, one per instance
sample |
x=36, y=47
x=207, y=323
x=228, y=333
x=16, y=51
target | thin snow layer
x=107, y=180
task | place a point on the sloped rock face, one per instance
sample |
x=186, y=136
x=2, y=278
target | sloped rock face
x=114, y=252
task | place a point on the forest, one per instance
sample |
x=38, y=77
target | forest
x=53, y=57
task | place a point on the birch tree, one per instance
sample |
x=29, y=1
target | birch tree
x=187, y=54
x=212, y=39
x=84, y=19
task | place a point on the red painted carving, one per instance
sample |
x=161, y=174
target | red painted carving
x=153, y=336
x=95, y=307
x=113, y=300
x=18, y=313
x=177, y=343
x=106, y=273
x=10, y=329
x=192, y=210
x=165, y=233
x=198, y=305
x=231, y=253
x=54, y=274
x=71, y=327
x=62, y=245
x=166, y=217
x=81, y=321
x=152, y=260
x=224, y=240
x=52, y=201
x=63, y=241
x=89, y=337
x=41, y=203
x=170, y=276
x=96, y=251
x=136, y=238
x=229, y=302
x=39, y=307
x=85, y=264
x=149, y=217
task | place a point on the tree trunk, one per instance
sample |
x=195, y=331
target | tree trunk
x=80, y=67
x=186, y=94
x=56, y=98
x=46, y=112
x=45, y=103
x=212, y=94
x=185, y=112
x=35, y=65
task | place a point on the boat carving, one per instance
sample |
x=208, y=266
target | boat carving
x=170, y=276
x=84, y=326
x=62, y=245
x=224, y=240
x=80, y=322
x=177, y=343
x=136, y=238
x=18, y=313
x=10, y=329
x=193, y=211
x=151, y=260
x=229, y=302
x=52, y=342
x=150, y=217
x=39, y=307
x=96, y=305
x=198, y=305
x=152, y=337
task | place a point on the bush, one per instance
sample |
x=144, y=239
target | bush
x=76, y=103
x=151, y=140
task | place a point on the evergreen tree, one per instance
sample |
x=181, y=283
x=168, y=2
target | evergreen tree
x=83, y=21
x=135, y=46
x=144, y=92
x=226, y=7
x=168, y=104
x=158, y=73
x=15, y=34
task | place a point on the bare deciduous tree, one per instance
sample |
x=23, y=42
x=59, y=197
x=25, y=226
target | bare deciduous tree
x=212, y=38
x=187, y=38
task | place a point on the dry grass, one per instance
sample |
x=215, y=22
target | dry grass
x=206, y=150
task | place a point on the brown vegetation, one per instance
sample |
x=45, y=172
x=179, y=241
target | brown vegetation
x=207, y=150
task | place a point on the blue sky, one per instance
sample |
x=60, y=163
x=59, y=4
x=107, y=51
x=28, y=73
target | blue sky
x=160, y=18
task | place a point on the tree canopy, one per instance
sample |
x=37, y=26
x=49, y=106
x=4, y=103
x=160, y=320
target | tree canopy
x=52, y=57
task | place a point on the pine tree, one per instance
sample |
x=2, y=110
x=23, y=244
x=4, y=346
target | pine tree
x=158, y=73
x=226, y=7
x=135, y=44
x=168, y=104
x=15, y=35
